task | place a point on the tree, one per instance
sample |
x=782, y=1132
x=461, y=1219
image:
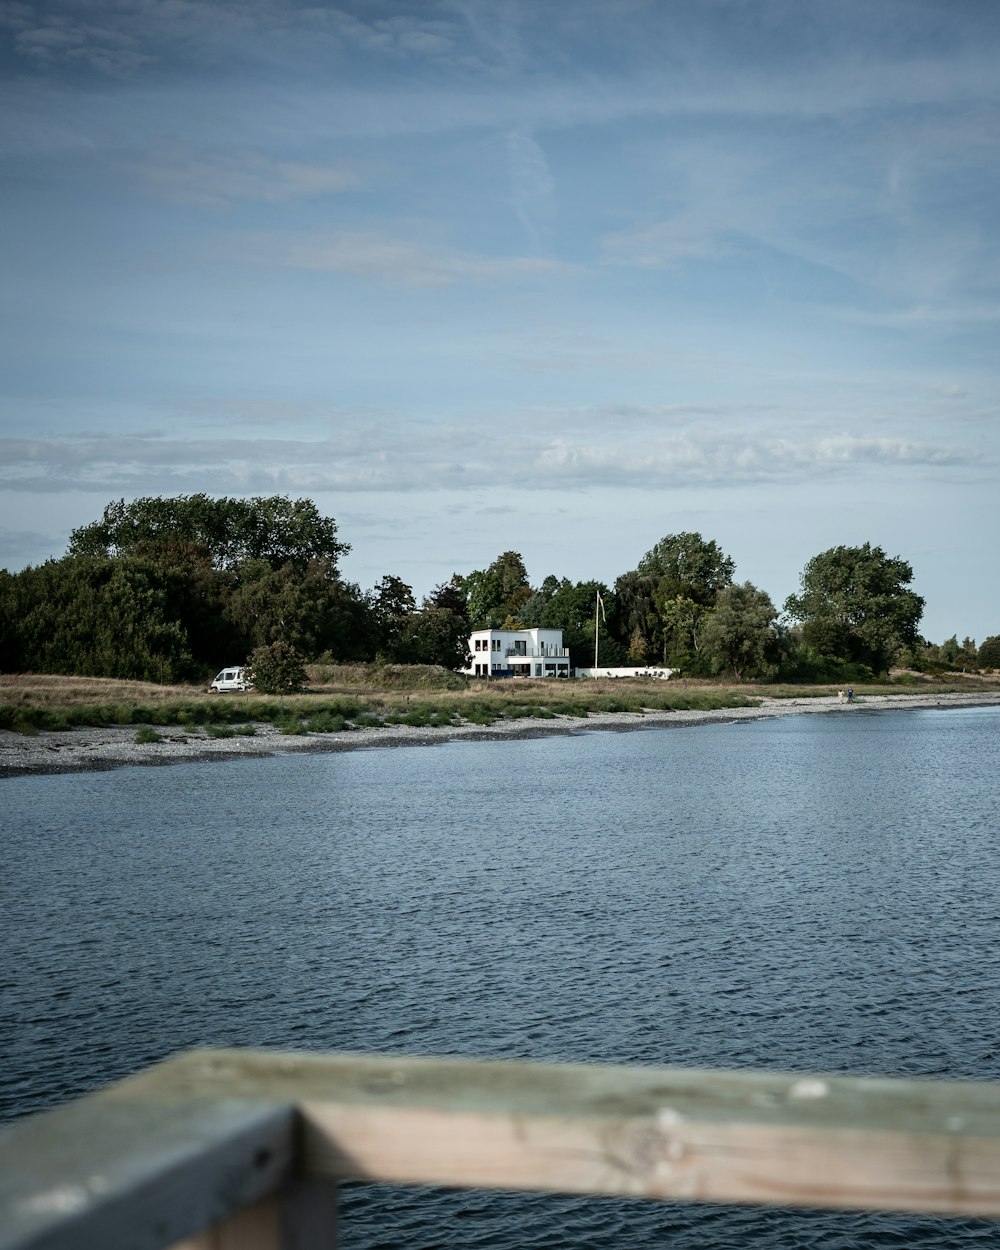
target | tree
x=989, y=652
x=633, y=612
x=96, y=617
x=434, y=636
x=571, y=607
x=682, y=624
x=855, y=605
x=739, y=634
x=638, y=649
x=687, y=566
x=277, y=669
x=391, y=603
x=497, y=592
x=310, y=610
x=229, y=532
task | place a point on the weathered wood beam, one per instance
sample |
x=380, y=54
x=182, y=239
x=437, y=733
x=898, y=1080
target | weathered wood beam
x=748, y=1137
x=187, y=1145
x=138, y=1168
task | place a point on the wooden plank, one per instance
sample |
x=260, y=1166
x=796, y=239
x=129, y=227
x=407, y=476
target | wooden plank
x=134, y=1167
x=781, y=1139
x=191, y=1142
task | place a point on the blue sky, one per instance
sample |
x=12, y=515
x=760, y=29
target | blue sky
x=559, y=277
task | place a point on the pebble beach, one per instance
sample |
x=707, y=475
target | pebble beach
x=94, y=750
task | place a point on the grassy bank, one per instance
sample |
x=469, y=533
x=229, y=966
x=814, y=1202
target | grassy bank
x=348, y=696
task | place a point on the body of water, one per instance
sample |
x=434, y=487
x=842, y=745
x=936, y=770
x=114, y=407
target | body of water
x=816, y=893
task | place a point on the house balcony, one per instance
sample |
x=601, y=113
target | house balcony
x=537, y=653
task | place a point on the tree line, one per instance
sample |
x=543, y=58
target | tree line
x=168, y=589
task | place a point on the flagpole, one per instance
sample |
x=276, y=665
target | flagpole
x=597, y=629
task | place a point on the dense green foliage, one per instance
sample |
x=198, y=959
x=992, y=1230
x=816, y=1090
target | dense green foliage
x=740, y=634
x=989, y=652
x=276, y=668
x=855, y=605
x=169, y=589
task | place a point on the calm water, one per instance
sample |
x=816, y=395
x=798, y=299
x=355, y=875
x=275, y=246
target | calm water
x=817, y=893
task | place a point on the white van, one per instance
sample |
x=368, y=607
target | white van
x=230, y=679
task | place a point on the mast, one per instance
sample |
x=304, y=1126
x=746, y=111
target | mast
x=598, y=613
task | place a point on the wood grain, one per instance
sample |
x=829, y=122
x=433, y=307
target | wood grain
x=181, y=1150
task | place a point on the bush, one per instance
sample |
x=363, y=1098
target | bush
x=146, y=734
x=325, y=722
x=989, y=652
x=277, y=669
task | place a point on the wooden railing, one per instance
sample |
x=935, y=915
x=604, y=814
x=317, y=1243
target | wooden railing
x=219, y=1150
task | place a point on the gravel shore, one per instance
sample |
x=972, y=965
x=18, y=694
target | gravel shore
x=91, y=750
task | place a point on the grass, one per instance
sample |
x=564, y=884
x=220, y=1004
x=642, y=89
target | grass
x=361, y=696
x=146, y=734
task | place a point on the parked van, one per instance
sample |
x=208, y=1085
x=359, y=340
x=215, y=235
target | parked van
x=230, y=679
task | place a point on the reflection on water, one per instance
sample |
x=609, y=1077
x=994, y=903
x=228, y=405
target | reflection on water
x=815, y=893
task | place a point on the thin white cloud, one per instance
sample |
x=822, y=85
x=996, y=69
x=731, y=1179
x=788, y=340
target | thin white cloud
x=411, y=263
x=213, y=181
x=532, y=185
x=662, y=244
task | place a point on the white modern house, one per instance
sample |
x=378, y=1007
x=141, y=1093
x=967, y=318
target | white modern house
x=517, y=653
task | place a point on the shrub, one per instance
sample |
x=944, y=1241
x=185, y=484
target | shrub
x=325, y=722
x=277, y=669
x=146, y=734
x=989, y=652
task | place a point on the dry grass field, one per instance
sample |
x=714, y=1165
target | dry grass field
x=345, y=695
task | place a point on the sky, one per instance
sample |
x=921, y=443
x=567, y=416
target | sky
x=560, y=277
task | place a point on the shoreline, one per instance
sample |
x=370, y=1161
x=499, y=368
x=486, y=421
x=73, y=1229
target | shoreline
x=100, y=750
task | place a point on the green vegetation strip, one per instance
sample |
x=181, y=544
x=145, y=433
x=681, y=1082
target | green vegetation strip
x=434, y=708
x=319, y=714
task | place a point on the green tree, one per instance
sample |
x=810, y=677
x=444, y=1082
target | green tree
x=494, y=593
x=391, y=603
x=989, y=652
x=682, y=624
x=740, y=633
x=572, y=608
x=311, y=610
x=633, y=610
x=96, y=617
x=277, y=668
x=687, y=566
x=230, y=532
x=434, y=636
x=855, y=604
x=532, y=611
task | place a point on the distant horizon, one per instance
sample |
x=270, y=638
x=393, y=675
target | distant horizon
x=558, y=279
